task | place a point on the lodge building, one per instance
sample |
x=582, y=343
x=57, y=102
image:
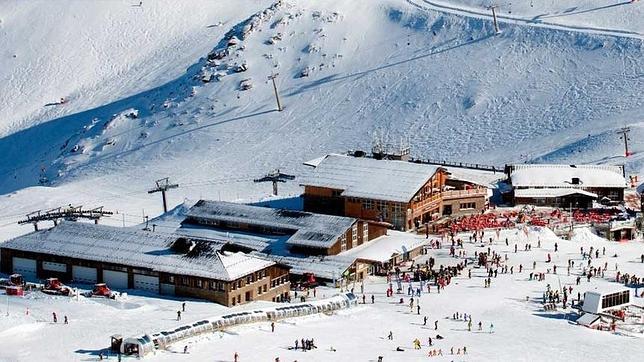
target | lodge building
x=305, y=232
x=126, y=258
x=401, y=193
x=566, y=186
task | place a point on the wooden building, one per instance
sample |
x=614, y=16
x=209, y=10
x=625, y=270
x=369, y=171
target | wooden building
x=305, y=232
x=566, y=186
x=126, y=258
x=403, y=194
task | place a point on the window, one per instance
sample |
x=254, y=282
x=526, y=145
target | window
x=199, y=283
x=336, y=193
x=367, y=205
x=239, y=283
x=365, y=231
x=265, y=288
x=171, y=279
x=233, y=286
x=259, y=290
x=343, y=242
x=185, y=281
x=354, y=234
x=468, y=205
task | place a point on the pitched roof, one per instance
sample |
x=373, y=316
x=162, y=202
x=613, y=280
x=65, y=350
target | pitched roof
x=369, y=178
x=137, y=248
x=542, y=175
x=309, y=229
x=552, y=192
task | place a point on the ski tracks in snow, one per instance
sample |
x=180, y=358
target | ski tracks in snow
x=482, y=13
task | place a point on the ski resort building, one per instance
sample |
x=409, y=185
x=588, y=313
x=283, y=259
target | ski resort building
x=127, y=258
x=401, y=193
x=301, y=232
x=574, y=186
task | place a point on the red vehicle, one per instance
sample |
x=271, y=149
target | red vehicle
x=101, y=290
x=15, y=290
x=55, y=287
x=16, y=279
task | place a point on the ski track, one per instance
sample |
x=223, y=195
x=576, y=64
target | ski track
x=477, y=13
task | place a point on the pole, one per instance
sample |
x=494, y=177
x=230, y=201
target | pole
x=165, y=202
x=496, y=23
x=277, y=96
x=624, y=132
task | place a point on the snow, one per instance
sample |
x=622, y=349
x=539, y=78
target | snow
x=308, y=229
x=370, y=178
x=554, y=87
x=550, y=193
x=383, y=248
x=135, y=248
x=522, y=330
x=562, y=175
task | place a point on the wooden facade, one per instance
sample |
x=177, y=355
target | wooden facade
x=431, y=201
x=270, y=283
x=360, y=232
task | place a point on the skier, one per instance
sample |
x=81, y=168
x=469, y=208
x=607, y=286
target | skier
x=183, y=306
x=390, y=336
x=491, y=328
x=296, y=344
x=55, y=318
x=185, y=349
x=435, y=325
x=418, y=309
x=66, y=321
x=236, y=357
x=373, y=299
x=416, y=344
x=178, y=315
x=272, y=326
x=425, y=320
x=469, y=326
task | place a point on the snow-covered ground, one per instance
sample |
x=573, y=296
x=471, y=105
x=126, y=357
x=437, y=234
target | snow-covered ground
x=554, y=86
x=522, y=330
x=412, y=70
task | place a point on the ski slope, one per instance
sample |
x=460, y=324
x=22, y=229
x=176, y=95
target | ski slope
x=409, y=69
x=522, y=331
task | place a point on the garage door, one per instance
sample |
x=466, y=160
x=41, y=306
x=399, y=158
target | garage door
x=146, y=282
x=115, y=279
x=82, y=274
x=57, y=267
x=26, y=267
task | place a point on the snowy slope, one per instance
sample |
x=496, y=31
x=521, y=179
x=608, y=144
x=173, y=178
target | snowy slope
x=95, y=52
x=410, y=69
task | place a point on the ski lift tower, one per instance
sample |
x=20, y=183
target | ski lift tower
x=275, y=176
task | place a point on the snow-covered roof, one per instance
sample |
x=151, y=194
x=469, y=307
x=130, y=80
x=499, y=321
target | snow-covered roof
x=137, y=248
x=327, y=267
x=551, y=192
x=309, y=229
x=369, y=178
x=542, y=175
x=479, y=177
x=382, y=249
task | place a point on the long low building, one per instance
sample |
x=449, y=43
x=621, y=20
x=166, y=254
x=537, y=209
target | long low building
x=307, y=233
x=574, y=186
x=126, y=258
